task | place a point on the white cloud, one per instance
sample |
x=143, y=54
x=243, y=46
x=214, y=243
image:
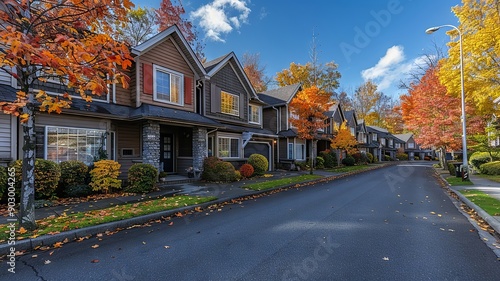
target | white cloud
x=391, y=68
x=221, y=17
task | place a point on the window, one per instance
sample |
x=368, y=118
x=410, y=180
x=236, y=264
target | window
x=229, y=148
x=382, y=141
x=300, y=152
x=398, y=145
x=168, y=85
x=255, y=113
x=293, y=116
x=374, y=137
x=390, y=142
x=229, y=103
x=290, y=151
x=353, y=132
x=65, y=144
x=411, y=145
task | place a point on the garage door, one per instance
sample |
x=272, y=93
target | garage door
x=259, y=148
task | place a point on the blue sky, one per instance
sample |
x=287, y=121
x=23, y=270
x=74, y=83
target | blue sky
x=379, y=40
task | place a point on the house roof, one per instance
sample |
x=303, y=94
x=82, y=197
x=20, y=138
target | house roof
x=288, y=133
x=254, y=130
x=350, y=115
x=148, y=111
x=180, y=41
x=280, y=96
x=404, y=137
x=378, y=129
x=209, y=65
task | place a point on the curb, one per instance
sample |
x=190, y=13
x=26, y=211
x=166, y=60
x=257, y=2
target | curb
x=71, y=235
x=492, y=222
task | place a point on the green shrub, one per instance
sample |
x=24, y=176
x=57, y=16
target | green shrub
x=216, y=170
x=209, y=172
x=3, y=181
x=479, y=158
x=491, y=168
x=246, y=170
x=225, y=171
x=402, y=156
x=237, y=175
x=79, y=190
x=330, y=158
x=47, y=175
x=104, y=176
x=451, y=167
x=349, y=161
x=259, y=163
x=320, y=162
x=141, y=178
x=370, y=157
x=162, y=174
x=416, y=158
x=72, y=173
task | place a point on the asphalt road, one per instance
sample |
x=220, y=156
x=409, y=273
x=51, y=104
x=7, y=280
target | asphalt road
x=391, y=224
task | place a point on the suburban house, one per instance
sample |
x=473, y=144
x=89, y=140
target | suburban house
x=412, y=148
x=364, y=143
x=175, y=112
x=335, y=117
x=289, y=148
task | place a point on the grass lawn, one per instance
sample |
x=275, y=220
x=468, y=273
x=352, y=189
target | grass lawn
x=347, y=169
x=483, y=200
x=53, y=225
x=454, y=181
x=281, y=182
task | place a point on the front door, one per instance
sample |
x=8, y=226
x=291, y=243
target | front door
x=167, y=152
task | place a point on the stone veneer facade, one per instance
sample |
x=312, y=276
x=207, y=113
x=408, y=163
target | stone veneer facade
x=199, y=147
x=151, y=144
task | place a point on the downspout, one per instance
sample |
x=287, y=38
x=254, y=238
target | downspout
x=137, y=82
x=278, y=139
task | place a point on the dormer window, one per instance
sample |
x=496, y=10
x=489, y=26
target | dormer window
x=168, y=85
x=229, y=103
x=255, y=114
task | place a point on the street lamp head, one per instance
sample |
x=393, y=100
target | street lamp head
x=432, y=29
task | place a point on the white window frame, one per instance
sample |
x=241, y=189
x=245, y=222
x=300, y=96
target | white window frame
x=180, y=76
x=374, y=137
x=290, y=151
x=398, y=145
x=234, y=108
x=411, y=145
x=291, y=116
x=382, y=141
x=251, y=114
x=230, y=138
x=303, y=155
x=46, y=144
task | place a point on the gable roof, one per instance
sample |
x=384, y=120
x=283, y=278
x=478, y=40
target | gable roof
x=404, y=137
x=351, y=115
x=378, y=129
x=213, y=66
x=280, y=96
x=336, y=108
x=180, y=41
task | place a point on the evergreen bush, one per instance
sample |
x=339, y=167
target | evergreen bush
x=141, y=178
x=259, y=163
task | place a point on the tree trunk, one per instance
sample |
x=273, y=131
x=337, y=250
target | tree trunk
x=27, y=204
x=311, y=157
x=442, y=159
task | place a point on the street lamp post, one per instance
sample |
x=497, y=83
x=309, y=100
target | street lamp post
x=465, y=170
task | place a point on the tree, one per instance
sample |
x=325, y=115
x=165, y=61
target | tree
x=480, y=28
x=308, y=108
x=343, y=99
x=57, y=39
x=364, y=101
x=172, y=12
x=140, y=27
x=255, y=72
x=434, y=116
x=344, y=140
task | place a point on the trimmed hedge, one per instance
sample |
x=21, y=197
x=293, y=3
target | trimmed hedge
x=216, y=170
x=47, y=175
x=73, y=173
x=246, y=170
x=491, y=168
x=142, y=178
x=479, y=158
x=259, y=163
x=320, y=162
x=370, y=157
x=330, y=158
x=402, y=156
x=349, y=161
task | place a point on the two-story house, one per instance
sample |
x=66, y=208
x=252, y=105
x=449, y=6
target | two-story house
x=412, y=148
x=176, y=112
x=277, y=113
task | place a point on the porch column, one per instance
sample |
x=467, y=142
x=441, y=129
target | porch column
x=200, y=150
x=151, y=144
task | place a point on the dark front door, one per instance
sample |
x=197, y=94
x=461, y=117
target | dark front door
x=167, y=152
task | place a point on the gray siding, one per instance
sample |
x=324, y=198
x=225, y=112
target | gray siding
x=269, y=119
x=5, y=78
x=6, y=132
x=226, y=80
